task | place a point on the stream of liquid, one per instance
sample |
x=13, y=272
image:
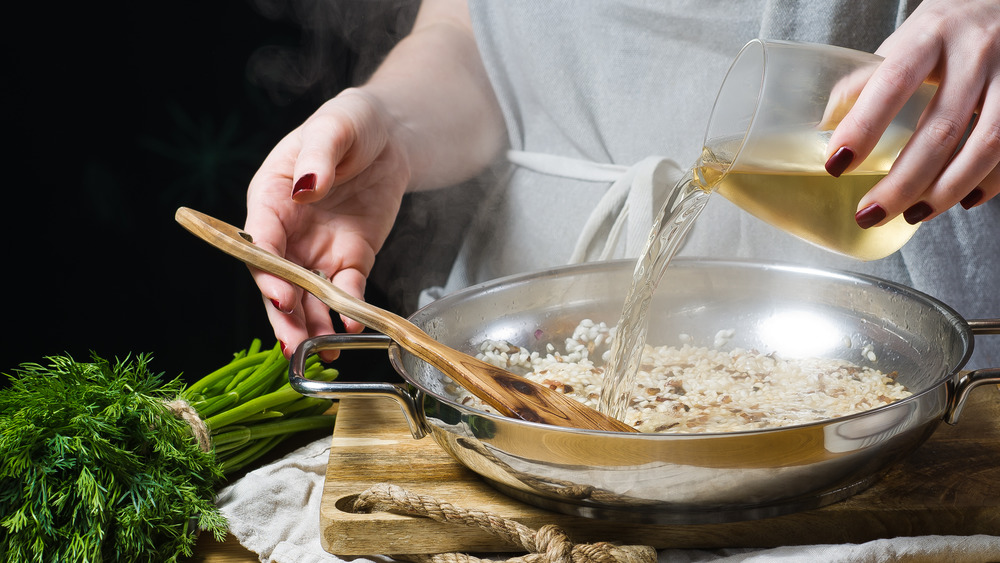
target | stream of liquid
x=676, y=217
x=781, y=180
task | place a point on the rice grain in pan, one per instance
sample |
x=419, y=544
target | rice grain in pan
x=689, y=389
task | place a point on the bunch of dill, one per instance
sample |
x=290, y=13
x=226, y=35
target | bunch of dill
x=93, y=467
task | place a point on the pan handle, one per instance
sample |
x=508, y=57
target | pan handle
x=985, y=326
x=342, y=389
x=969, y=381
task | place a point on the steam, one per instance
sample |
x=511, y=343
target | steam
x=341, y=44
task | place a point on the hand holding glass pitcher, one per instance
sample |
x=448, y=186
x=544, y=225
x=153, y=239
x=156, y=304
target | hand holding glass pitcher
x=806, y=136
x=953, y=45
x=766, y=144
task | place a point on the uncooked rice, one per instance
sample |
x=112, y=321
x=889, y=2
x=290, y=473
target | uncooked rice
x=690, y=389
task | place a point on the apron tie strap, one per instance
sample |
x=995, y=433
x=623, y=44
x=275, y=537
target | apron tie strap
x=635, y=194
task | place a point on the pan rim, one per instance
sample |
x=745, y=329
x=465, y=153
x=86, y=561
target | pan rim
x=964, y=332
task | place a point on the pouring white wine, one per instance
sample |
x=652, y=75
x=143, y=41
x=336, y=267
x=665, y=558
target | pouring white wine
x=765, y=150
x=779, y=179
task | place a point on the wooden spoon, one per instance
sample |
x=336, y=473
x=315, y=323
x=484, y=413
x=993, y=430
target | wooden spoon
x=510, y=394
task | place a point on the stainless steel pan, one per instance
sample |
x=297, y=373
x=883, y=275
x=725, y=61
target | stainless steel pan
x=676, y=478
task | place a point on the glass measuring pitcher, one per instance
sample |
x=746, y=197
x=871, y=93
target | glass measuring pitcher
x=766, y=142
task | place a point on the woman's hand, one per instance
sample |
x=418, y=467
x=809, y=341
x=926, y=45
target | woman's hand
x=956, y=45
x=326, y=198
x=328, y=194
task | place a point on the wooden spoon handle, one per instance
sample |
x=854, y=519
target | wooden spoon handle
x=511, y=395
x=239, y=244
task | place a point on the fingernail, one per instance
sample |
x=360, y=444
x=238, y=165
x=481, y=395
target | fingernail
x=917, y=212
x=283, y=348
x=277, y=305
x=870, y=216
x=306, y=183
x=839, y=161
x=972, y=199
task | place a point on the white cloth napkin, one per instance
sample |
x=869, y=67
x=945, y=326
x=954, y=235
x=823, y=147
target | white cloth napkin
x=274, y=512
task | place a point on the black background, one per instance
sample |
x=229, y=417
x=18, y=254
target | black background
x=114, y=116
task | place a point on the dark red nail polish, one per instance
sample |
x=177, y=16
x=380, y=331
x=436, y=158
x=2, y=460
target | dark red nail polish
x=917, y=212
x=283, y=349
x=839, y=161
x=275, y=304
x=870, y=216
x=974, y=197
x=306, y=183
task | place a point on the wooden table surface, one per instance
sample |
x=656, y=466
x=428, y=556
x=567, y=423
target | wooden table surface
x=209, y=550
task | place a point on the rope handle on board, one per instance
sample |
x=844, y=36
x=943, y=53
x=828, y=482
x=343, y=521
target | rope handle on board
x=548, y=544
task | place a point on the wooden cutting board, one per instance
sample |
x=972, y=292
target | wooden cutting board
x=949, y=486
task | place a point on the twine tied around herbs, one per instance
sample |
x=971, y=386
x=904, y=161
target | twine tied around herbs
x=182, y=410
x=548, y=544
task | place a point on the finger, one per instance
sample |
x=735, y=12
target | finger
x=280, y=294
x=843, y=96
x=268, y=233
x=887, y=91
x=323, y=143
x=289, y=328
x=353, y=282
x=318, y=322
x=987, y=189
x=337, y=142
x=918, y=185
x=267, y=201
x=970, y=168
x=283, y=308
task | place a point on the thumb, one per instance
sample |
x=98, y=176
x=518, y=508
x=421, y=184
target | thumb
x=336, y=143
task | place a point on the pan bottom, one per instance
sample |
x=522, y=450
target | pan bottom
x=674, y=514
